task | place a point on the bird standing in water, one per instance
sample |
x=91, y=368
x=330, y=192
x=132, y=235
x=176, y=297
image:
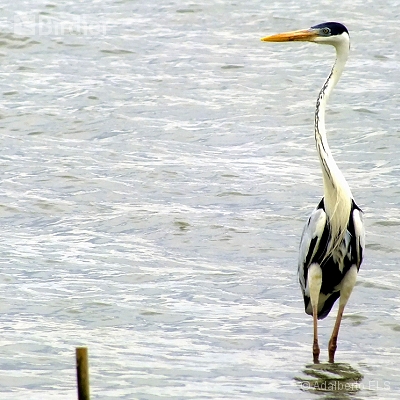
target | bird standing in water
x=332, y=244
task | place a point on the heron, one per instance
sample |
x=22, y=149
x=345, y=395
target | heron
x=333, y=239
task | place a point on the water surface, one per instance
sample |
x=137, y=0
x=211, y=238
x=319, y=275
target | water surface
x=158, y=165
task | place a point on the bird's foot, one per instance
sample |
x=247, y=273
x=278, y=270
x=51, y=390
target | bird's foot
x=332, y=350
x=316, y=352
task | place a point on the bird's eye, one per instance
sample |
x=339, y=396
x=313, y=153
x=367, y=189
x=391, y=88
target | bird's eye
x=326, y=31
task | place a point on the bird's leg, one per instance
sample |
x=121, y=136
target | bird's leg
x=314, y=279
x=348, y=283
x=333, y=340
x=315, y=342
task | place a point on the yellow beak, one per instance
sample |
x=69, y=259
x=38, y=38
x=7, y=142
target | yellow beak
x=304, y=35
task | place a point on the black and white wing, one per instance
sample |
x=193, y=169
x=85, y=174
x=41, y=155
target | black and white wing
x=313, y=244
x=357, y=235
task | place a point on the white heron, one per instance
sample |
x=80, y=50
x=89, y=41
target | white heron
x=332, y=244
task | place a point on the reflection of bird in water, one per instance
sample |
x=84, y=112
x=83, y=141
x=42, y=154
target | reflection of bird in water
x=332, y=243
x=330, y=377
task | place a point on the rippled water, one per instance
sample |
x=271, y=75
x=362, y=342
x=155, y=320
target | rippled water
x=157, y=167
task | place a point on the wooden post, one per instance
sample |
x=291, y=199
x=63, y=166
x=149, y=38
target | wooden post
x=82, y=372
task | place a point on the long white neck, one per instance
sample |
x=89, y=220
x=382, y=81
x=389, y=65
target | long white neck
x=337, y=194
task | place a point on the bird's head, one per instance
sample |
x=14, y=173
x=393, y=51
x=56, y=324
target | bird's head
x=332, y=33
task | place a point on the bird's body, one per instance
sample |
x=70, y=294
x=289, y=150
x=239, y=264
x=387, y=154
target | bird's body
x=332, y=243
x=315, y=239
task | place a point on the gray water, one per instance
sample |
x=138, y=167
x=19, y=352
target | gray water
x=157, y=167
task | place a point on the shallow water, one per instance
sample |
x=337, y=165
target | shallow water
x=158, y=165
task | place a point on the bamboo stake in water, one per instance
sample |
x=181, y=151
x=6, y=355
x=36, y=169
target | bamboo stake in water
x=82, y=371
